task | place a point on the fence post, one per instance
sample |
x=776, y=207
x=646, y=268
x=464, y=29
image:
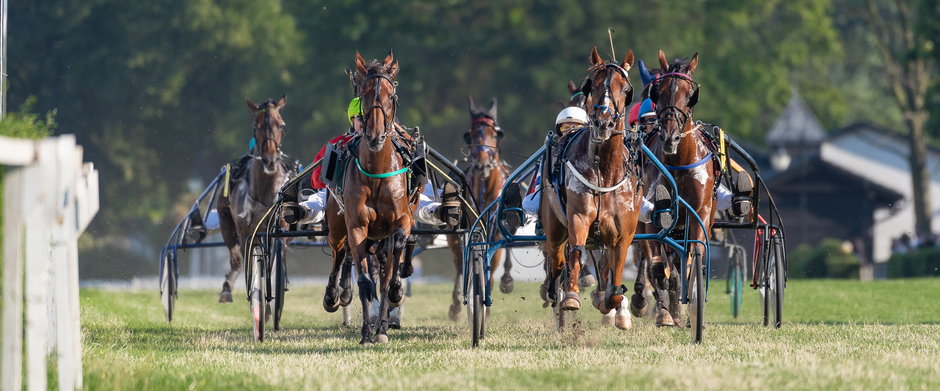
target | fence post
x=13, y=234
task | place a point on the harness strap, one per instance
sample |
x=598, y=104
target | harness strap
x=228, y=177
x=592, y=186
x=380, y=176
x=690, y=166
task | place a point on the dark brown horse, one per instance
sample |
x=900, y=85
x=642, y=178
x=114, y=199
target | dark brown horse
x=248, y=199
x=603, y=201
x=486, y=175
x=681, y=147
x=376, y=203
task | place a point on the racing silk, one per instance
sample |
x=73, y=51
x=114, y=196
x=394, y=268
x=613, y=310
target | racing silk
x=315, y=181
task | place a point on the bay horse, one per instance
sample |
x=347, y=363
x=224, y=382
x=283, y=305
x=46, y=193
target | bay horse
x=241, y=208
x=603, y=201
x=376, y=203
x=681, y=147
x=486, y=175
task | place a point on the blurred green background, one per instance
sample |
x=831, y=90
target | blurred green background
x=154, y=90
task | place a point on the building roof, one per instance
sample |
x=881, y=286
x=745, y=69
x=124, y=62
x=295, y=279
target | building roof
x=796, y=125
x=823, y=176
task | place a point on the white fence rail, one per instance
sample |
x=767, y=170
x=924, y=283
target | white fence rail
x=49, y=199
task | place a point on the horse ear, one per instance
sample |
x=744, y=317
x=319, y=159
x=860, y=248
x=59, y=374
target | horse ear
x=281, y=102
x=572, y=88
x=391, y=65
x=693, y=64
x=627, y=61
x=470, y=105
x=492, y=110
x=596, y=58
x=360, y=64
x=663, y=64
x=251, y=105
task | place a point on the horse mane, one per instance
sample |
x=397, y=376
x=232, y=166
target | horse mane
x=679, y=65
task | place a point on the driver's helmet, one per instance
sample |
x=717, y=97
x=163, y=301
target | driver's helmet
x=572, y=114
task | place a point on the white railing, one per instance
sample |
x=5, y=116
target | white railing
x=50, y=196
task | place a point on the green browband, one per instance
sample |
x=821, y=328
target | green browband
x=380, y=176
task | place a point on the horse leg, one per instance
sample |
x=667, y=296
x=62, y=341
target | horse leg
x=618, y=257
x=599, y=295
x=331, y=299
x=392, y=293
x=360, y=255
x=230, y=237
x=555, y=235
x=578, y=226
x=506, y=284
x=639, y=306
x=453, y=242
x=345, y=281
x=660, y=273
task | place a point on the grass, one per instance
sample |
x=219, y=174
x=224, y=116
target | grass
x=837, y=335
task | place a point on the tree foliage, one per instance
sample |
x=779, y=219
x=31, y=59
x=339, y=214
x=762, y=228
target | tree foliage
x=154, y=89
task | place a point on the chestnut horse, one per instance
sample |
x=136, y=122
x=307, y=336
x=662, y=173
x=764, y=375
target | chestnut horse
x=603, y=201
x=682, y=149
x=240, y=209
x=376, y=203
x=486, y=175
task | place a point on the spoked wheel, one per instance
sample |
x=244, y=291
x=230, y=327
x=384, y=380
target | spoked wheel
x=697, y=298
x=774, y=284
x=476, y=291
x=279, y=274
x=562, y=317
x=256, y=298
x=168, y=281
x=736, y=282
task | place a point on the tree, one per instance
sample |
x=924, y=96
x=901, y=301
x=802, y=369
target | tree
x=909, y=64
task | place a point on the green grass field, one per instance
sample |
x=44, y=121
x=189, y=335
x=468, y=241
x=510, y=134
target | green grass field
x=837, y=335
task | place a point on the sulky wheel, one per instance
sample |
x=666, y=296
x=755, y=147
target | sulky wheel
x=168, y=283
x=562, y=317
x=736, y=282
x=256, y=289
x=775, y=284
x=476, y=289
x=697, y=298
x=279, y=276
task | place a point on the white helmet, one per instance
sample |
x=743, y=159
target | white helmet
x=572, y=114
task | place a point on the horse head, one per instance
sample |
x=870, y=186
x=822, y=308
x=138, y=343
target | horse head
x=675, y=94
x=268, y=127
x=376, y=87
x=609, y=94
x=484, y=136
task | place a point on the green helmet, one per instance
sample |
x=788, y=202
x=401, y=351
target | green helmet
x=355, y=108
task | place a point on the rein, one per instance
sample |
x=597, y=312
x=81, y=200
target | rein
x=690, y=166
x=380, y=176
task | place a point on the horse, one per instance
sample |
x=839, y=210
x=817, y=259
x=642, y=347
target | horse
x=376, y=203
x=682, y=149
x=249, y=199
x=603, y=201
x=486, y=175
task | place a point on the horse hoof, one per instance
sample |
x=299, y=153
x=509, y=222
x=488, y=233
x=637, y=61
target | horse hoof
x=608, y=319
x=225, y=297
x=366, y=341
x=330, y=305
x=623, y=322
x=396, y=296
x=505, y=283
x=639, y=307
x=571, y=302
x=597, y=297
x=381, y=338
x=587, y=280
x=664, y=319
x=346, y=297
x=453, y=312
x=543, y=291
x=407, y=269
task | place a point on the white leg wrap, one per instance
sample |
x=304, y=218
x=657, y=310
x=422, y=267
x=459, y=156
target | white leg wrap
x=645, y=207
x=724, y=197
x=314, y=208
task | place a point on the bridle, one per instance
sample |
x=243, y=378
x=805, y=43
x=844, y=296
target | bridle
x=671, y=112
x=267, y=127
x=480, y=123
x=389, y=120
x=616, y=112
